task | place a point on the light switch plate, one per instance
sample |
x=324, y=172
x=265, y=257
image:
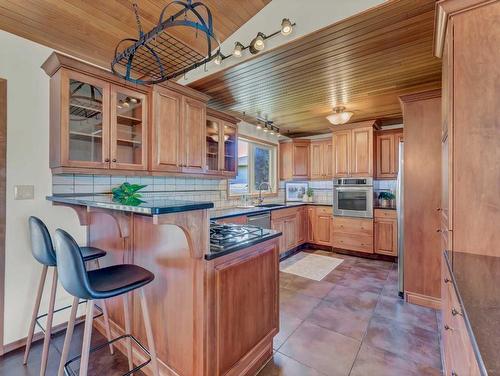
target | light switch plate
x=24, y=192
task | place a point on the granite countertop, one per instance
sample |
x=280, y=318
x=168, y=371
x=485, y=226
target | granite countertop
x=154, y=204
x=235, y=212
x=477, y=281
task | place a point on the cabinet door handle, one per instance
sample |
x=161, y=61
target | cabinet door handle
x=114, y=160
x=106, y=160
x=447, y=280
x=453, y=373
x=438, y=230
x=447, y=327
x=455, y=312
x=439, y=209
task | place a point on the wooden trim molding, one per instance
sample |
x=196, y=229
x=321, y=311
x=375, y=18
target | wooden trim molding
x=420, y=96
x=3, y=167
x=446, y=9
x=423, y=300
x=222, y=115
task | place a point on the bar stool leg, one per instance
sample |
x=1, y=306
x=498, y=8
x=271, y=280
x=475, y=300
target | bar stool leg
x=106, y=316
x=128, y=329
x=69, y=335
x=149, y=332
x=36, y=308
x=87, y=335
x=48, y=326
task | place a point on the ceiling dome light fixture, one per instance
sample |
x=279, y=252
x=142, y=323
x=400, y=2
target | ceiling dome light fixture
x=339, y=116
x=238, y=49
x=286, y=27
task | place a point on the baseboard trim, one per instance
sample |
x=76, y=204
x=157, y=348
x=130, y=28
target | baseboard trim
x=423, y=300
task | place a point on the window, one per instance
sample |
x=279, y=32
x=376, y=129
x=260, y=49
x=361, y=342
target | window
x=256, y=166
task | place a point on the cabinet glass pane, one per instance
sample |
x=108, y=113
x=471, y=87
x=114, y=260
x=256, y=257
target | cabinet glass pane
x=85, y=122
x=129, y=123
x=212, y=145
x=229, y=148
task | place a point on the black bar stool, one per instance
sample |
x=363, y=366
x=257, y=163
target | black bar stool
x=43, y=251
x=102, y=283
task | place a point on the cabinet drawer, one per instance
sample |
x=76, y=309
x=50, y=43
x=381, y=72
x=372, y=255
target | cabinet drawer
x=323, y=210
x=385, y=213
x=353, y=242
x=353, y=226
x=282, y=213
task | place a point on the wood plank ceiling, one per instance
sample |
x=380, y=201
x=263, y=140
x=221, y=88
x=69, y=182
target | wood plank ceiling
x=90, y=30
x=364, y=63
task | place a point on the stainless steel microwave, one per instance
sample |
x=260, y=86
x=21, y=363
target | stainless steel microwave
x=353, y=197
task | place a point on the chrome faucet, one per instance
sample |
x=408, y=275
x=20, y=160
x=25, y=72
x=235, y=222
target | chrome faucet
x=260, y=199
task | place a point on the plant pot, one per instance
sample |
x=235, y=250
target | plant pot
x=305, y=198
x=385, y=203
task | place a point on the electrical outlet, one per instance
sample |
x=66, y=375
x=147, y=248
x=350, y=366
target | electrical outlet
x=24, y=192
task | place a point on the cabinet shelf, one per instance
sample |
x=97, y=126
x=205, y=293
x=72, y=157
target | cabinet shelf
x=128, y=120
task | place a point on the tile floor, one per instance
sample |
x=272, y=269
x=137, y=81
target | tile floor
x=352, y=323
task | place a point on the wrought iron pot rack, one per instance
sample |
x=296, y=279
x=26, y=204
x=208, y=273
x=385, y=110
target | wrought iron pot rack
x=157, y=56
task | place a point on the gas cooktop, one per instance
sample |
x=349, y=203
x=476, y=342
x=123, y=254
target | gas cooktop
x=226, y=236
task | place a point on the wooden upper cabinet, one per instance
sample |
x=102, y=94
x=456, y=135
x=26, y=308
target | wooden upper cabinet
x=129, y=129
x=321, y=154
x=221, y=144
x=341, y=153
x=294, y=159
x=353, y=150
x=79, y=121
x=316, y=160
x=193, y=136
x=361, y=163
x=387, y=153
x=166, y=130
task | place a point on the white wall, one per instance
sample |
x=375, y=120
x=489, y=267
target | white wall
x=27, y=163
x=309, y=16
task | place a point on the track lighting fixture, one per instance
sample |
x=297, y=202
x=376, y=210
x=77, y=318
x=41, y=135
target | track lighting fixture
x=286, y=27
x=218, y=58
x=257, y=44
x=238, y=49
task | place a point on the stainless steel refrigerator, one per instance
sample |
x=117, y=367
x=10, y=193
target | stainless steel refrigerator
x=400, y=216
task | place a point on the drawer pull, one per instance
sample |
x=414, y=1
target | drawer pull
x=455, y=312
x=439, y=209
x=438, y=230
x=447, y=280
x=453, y=373
x=447, y=327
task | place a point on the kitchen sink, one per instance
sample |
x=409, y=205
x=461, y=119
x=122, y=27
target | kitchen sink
x=269, y=205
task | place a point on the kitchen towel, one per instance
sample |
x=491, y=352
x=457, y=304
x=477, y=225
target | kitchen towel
x=313, y=266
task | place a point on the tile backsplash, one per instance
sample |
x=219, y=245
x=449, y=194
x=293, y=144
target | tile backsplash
x=179, y=188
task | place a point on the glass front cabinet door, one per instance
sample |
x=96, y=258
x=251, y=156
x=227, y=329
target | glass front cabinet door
x=221, y=146
x=128, y=129
x=102, y=125
x=84, y=121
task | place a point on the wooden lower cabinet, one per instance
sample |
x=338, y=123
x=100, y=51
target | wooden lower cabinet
x=355, y=234
x=385, y=228
x=322, y=225
x=245, y=316
x=291, y=222
x=459, y=358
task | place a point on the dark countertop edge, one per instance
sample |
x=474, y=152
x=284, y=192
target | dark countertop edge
x=470, y=331
x=250, y=243
x=73, y=200
x=242, y=211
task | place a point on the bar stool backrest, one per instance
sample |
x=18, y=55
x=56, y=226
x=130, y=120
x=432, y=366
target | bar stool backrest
x=70, y=266
x=41, y=242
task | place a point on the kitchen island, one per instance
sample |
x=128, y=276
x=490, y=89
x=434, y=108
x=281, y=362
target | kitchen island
x=213, y=313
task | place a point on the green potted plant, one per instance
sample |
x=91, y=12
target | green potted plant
x=385, y=199
x=308, y=197
x=126, y=194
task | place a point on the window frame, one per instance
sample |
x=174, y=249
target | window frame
x=274, y=150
